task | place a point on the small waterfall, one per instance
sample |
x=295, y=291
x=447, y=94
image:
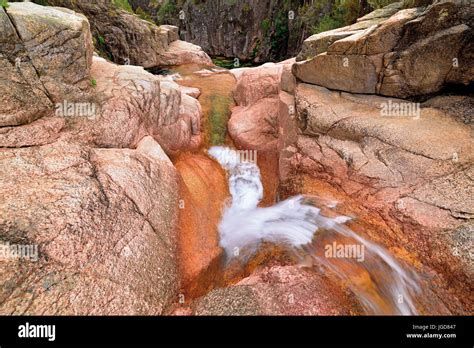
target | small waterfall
x=382, y=285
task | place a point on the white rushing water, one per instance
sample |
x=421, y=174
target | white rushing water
x=244, y=226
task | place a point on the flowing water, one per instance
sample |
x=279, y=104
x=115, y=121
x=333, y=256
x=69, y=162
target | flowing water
x=381, y=283
x=300, y=224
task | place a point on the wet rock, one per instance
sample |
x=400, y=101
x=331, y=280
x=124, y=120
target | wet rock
x=200, y=211
x=191, y=91
x=421, y=189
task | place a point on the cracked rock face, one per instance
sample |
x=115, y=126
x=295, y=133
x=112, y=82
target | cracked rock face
x=59, y=44
x=104, y=223
x=396, y=54
x=35, y=74
x=254, y=121
x=415, y=172
x=132, y=103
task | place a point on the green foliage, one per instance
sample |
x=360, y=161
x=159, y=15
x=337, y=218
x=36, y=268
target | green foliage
x=280, y=34
x=218, y=118
x=380, y=3
x=41, y=2
x=326, y=23
x=4, y=3
x=416, y=3
x=246, y=8
x=265, y=25
x=124, y=5
x=167, y=9
x=256, y=49
x=337, y=13
x=143, y=15
x=223, y=62
x=93, y=83
x=101, y=47
x=101, y=40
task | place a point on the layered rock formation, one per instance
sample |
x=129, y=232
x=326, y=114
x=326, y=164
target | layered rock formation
x=127, y=39
x=396, y=56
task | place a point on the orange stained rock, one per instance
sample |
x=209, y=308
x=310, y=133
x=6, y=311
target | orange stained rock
x=203, y=190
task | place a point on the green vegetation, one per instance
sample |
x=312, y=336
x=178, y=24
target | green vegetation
x=416, y=3
x=4, y=3
x=380, y=3
x=124, y=5
x=41, y=2
x=256, y=49
x=218, y=118
x=280, y=34
x=246, y=8
x=143, y=15
x=101, y=39
x=265, y=25
x=331, y=14
x=167, y=9
x=101, y=47
x=93, y=83
x=325, y=24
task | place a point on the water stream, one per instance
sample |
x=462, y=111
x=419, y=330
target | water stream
x=381, y=283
